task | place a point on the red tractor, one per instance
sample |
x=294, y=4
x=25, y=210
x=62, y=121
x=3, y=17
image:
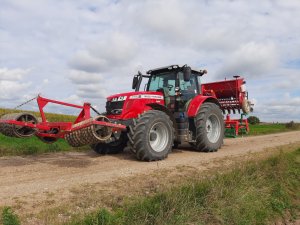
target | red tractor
x=174, y=108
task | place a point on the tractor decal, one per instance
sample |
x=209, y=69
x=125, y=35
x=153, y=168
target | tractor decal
x=158, y=97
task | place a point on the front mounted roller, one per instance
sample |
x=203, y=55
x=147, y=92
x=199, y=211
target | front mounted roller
x=151, y=137
x=91, y=134
x=15, y=130
x=209, y=125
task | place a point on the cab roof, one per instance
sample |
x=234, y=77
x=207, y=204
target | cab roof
x=170, y=68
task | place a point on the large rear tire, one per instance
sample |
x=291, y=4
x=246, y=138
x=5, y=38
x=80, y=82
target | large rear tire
x=209, y=125
x=151, y=136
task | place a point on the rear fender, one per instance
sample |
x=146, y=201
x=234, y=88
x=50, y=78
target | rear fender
x=196, y=103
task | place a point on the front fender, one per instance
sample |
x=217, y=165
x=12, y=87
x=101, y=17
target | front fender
x=196, y=103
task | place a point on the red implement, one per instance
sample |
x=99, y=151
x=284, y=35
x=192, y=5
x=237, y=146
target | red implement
x=26, y=125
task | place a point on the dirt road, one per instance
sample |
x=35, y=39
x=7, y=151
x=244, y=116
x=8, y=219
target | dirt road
x=34, y=176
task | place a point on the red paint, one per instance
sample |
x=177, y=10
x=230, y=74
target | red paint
x=135, y=105
x=229, y=93
x=196, y=103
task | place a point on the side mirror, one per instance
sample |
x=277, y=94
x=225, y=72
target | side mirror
x=187, y=73
x=135, y=81
x=202, y=72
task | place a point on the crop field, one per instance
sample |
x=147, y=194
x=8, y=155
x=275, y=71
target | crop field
x=270, y=128
x=51, y=117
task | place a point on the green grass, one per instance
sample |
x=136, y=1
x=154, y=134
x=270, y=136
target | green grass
x=260, y=129
x=8, y=217
x=28, y=146
x=255, y=193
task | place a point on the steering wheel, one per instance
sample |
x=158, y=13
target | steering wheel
x=170, y=86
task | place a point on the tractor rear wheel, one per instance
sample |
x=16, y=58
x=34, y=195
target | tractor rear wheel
x=151, y=136
x=112, y=147
x=209, y=125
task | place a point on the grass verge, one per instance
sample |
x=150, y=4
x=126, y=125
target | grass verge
x=28, y=146
x=260, y=129
x=255, y=193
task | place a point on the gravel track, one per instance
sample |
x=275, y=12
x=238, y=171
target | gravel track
x=38, y=175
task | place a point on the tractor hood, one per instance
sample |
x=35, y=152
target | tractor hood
x=129, y=105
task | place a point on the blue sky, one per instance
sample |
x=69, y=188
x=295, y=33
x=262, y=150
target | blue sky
x=85, y=50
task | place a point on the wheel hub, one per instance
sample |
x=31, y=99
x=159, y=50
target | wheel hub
x=158, y=137
x=153, y=136
x=213, y=128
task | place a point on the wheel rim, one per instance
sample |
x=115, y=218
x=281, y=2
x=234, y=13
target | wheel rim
x=24, y=131
x=158, y=137
x=213, y=128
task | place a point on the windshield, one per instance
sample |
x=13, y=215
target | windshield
x=164, y=82
x=167, y=82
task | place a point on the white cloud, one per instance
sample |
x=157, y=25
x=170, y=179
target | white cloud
x=11, y=90
x=13, y=74
x=13, y=86
x=252, y=60
x=82, y=77
x=117, y=49
x=84, y=61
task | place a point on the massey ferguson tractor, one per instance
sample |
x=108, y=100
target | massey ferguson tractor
x=173, y=108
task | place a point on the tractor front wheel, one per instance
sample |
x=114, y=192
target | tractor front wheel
x=110, y=148
x=151, y=136
x=209, y=125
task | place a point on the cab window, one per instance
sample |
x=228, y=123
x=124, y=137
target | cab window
x=164, y=81
x=188, y=87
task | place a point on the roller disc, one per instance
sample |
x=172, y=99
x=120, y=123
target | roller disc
x=49, y=140
x=90, y=135
x=12, y=130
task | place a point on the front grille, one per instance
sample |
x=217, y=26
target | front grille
x=114, y=108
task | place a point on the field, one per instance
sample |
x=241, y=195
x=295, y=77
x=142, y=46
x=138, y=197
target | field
x=51, y=117
x=270, y=128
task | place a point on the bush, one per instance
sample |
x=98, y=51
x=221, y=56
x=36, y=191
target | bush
x=9, y=217
x=292, y=125
x=253, y=120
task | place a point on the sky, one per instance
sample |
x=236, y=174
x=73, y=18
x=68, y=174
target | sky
x=83, y=51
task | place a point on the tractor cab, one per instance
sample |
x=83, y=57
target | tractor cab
x=179, y=85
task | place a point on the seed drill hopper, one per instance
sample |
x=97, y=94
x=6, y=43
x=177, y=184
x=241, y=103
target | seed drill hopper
x=233, y=98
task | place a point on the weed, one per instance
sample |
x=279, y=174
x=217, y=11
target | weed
x=9, y=217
